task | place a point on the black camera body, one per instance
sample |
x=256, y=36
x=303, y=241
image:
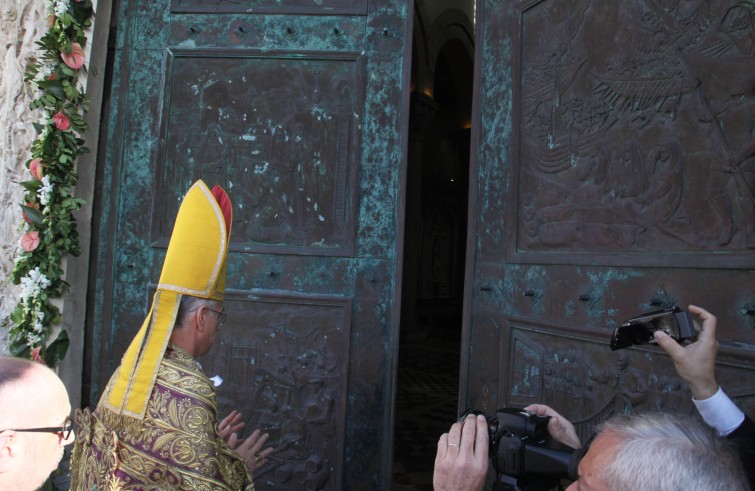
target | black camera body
x=675, y=322
x=524, y=455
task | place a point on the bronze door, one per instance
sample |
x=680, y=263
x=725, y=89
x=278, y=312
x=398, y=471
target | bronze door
x=296, y=108
x=615, y=172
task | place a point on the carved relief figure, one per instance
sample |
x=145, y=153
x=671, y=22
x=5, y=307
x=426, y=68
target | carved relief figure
x=629, y=179
x=663, y=196
x=669, y=107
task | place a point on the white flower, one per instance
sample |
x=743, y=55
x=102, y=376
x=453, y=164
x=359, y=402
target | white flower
x=32, y=339
x=44, y=72
x=60, y=7
x=32, y=284
x=45, y=191
x=27, y=289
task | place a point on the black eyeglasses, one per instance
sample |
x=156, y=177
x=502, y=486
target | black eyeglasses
x=63, y=431
x=222, y=316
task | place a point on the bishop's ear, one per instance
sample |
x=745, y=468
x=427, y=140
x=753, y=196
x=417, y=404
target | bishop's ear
x=202, y=318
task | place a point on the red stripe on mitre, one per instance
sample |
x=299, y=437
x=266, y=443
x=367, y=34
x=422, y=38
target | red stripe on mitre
x=225, y=206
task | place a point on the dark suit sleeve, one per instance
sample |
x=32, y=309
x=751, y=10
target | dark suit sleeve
x=744, y=440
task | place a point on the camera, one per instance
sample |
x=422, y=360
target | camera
x=674, y=321
x=524, y=455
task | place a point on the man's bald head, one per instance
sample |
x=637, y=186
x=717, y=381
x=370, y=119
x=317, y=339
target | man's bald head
x=31, y=397
x=25, y=388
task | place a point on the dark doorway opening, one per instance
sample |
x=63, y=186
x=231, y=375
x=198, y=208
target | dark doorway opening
x=434, y=256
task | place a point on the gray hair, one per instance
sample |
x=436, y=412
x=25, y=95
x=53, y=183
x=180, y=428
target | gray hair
x=191, y=304
x=667, y=452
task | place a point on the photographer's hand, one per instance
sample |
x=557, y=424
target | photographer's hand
x=559, y=427
x=696, y=362
x=461, y=463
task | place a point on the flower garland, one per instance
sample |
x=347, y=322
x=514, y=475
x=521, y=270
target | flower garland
x=49, y=229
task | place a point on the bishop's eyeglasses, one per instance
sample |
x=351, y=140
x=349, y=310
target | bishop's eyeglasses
x=222, y=316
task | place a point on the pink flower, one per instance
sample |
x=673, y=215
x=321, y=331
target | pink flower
x=61, y=121
x=30, y=241
x=75, y=59
x=36, y=168
x=35, y=355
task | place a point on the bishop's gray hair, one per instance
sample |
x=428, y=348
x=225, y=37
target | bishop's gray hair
x=667, y=452
x=190, y=304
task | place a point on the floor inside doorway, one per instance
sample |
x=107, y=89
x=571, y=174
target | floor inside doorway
x=426, y=406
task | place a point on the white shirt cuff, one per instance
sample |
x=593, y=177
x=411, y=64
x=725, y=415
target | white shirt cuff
x=720, y=413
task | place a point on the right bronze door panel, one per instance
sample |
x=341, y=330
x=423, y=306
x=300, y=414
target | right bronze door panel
x=614, y=175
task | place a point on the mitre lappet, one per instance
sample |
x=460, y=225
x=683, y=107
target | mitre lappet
x=195, y=264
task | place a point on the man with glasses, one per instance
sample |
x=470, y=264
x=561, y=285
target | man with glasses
x=34, y=423
x=156, y=424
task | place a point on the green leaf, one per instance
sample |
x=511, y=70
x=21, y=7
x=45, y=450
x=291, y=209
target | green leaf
x=34, y=215
x=17, y=316
x=57, y=350
x=19, y=349
x=54, y=88
x=31, y=186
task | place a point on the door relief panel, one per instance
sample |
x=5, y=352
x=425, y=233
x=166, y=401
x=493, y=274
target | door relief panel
x=283, y=361
x=287, y=152
x=633, y=133
x=578, y=376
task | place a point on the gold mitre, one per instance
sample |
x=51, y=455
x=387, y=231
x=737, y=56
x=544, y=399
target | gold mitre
x=195, y=264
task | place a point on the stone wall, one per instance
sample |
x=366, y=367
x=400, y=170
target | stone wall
x=21, y=24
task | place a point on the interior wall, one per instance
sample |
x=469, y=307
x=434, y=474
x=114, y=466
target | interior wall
x=435, y=234
x=443, y=50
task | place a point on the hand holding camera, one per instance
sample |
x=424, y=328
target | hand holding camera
x=560, y=428
x=524, y=455
x=696, y=362
x=461, y=462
